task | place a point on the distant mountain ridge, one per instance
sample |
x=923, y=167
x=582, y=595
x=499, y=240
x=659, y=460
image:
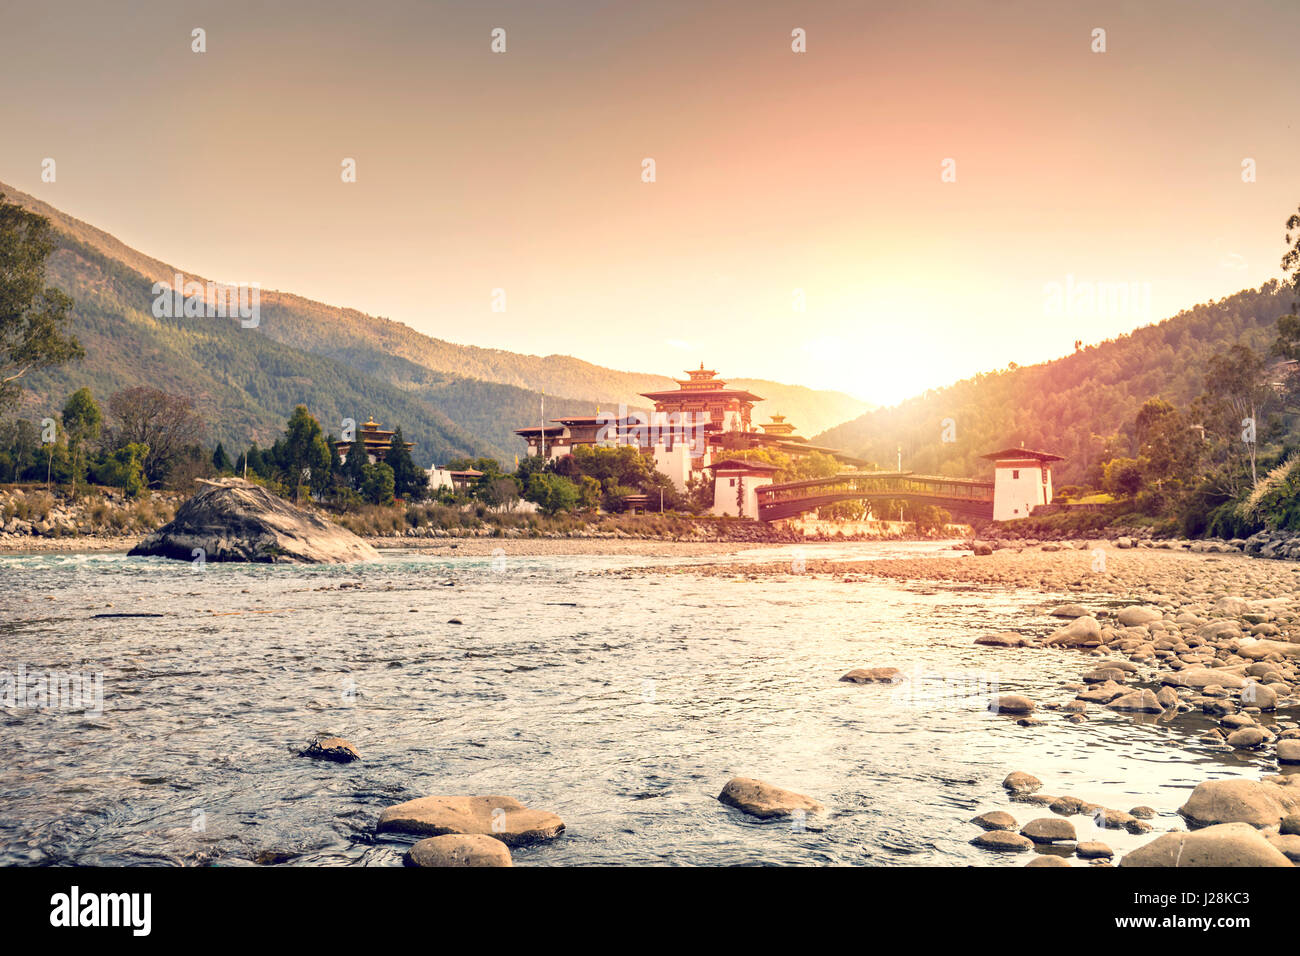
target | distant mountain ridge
x=469, y=399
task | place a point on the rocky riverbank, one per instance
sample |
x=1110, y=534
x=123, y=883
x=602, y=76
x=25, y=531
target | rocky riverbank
x=1206, y=642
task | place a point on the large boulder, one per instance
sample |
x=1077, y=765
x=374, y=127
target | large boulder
x=1227, y=844
x=236, y=520
x=1259, y=803
x=763, y=800
x=504, y=818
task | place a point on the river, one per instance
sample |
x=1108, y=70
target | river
x=622, y=703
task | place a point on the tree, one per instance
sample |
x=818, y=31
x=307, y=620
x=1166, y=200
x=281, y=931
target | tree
x=33, y=316
x=165, y=424
x=81, y=422
x=551, y=493
x=305, y=452
x=377, y=488
x=124, y=469
x=1167, y=443
x=409, y=481
x=354, y=466
x=221, y=461
x=1237, y=387
x=1123, y=477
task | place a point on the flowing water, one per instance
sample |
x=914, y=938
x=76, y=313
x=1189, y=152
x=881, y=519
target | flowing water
x=622, y=703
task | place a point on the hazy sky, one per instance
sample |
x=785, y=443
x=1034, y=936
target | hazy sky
x=775, y=171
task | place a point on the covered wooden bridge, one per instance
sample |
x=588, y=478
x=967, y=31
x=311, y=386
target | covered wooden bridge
x=967, y=498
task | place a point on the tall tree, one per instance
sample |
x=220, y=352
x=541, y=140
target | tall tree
x=81, y=422
x=408, y=480
x=165, y=424
x=1237, y=386
x=33, y=316
x=305, y=451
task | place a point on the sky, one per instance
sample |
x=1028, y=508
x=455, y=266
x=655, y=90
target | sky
x=930, y=190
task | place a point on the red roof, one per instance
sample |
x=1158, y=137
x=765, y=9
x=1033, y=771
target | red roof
x=701, y=395
x=1018, y=454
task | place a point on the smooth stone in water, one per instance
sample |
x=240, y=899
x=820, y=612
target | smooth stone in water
x=995, y=820
x=874, y=675
x=1020, y=782
x=1049, y=830
x=1003, y=840
x=504, y=818
x=763, y=800
x=458, y=849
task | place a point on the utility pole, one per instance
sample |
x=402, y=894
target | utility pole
x=543, y=435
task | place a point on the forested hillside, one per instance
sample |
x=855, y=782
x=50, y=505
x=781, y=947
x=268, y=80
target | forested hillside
x=1069, y=406
x=427, y=367
x=240, y=382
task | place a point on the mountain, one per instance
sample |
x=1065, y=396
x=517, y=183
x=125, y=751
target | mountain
x=450, y=399
x=1067, y=405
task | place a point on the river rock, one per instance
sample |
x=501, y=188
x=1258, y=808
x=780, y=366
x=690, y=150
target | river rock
x=763, y=800
x=1020, y=782
x=1069, y=806
x=1138, y=702
x=1069, y=610
x=995, y=820
x=1290, y=824
x=875, y=675
x=1167, y=697
x=1247, y=738
x=1255, y=649
x=1011, y=704
x=458, y=849
x=235, y=520
x=1003, y=840
x=1133, y=616
x=1078, y=633
x=504, y=818
x=1225, y=844
x=1002, y=639
x=1288, y=751
x=1231, y=607
x=1047, y=860
x=1093, y=850
x=331, y=748
x=1199, y=678
x=1258, y=803
x=1255, y=694
x=1287, y=845
x=1049, y=830
x=1143, y=813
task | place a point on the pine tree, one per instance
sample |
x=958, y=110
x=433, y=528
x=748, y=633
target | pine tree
x=221, y=461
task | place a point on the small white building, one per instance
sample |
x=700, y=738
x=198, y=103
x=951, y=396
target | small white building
x=1022, y=480
x=736, y=484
